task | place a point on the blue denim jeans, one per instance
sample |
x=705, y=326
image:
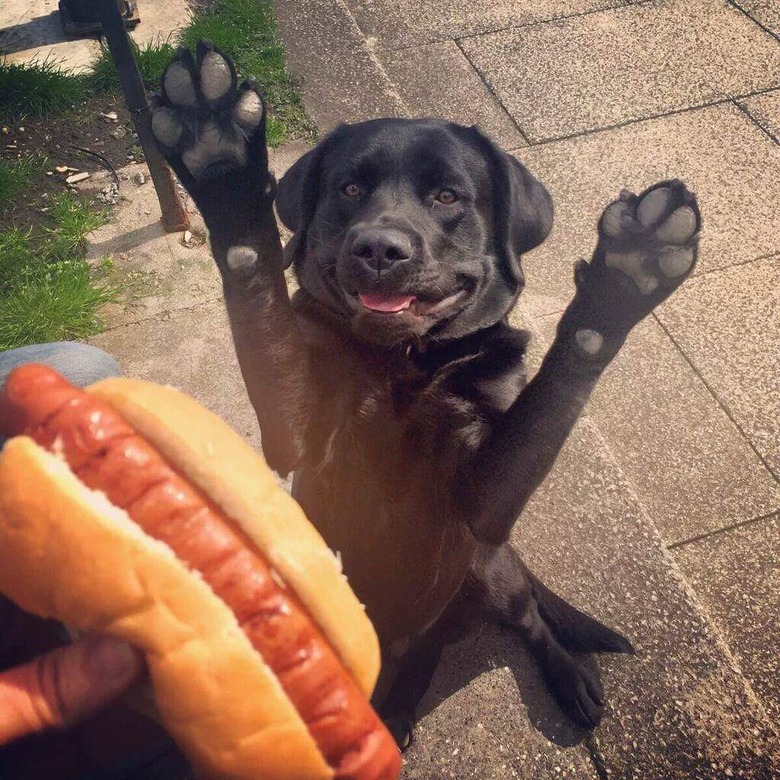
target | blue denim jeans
x=78, y=363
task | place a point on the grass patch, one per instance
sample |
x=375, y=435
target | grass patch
x=38, y=89
x=246, y=31
x=59, y=306
x=243, y=29
x=48, y=291
x=15, y=176
x=73, y=220
x=152, y=59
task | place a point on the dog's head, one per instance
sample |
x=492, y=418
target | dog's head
x=410, y=228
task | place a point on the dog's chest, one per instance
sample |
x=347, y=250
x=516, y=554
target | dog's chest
x=375, y=491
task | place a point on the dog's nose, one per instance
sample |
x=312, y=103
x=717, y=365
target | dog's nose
x=378, y=248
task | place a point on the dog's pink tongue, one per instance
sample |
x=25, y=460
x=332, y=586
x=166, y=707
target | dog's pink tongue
x=381, y=303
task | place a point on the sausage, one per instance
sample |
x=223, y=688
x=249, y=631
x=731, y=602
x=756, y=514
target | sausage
x=105, y=452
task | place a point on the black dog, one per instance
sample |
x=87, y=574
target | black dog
x=392, y=384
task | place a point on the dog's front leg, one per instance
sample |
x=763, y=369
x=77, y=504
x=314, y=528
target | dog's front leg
x=212, y=132
x=647, y=247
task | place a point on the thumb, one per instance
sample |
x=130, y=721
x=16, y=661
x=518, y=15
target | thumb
x=65, y=686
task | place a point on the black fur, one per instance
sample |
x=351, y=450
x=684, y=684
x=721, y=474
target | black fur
x=414, y=440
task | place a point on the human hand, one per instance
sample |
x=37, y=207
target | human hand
x=65, y=686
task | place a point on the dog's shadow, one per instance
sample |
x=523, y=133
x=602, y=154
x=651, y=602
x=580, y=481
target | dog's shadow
x=489, y=647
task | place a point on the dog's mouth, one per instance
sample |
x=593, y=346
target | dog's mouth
x=389, y=305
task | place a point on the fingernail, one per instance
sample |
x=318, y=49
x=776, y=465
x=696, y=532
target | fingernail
x=113, y=658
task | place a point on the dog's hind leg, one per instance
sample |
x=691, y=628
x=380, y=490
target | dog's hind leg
x=412, y=670
x=551, y=628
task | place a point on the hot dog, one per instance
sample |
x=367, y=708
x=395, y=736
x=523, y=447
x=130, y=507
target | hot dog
x=128, y=509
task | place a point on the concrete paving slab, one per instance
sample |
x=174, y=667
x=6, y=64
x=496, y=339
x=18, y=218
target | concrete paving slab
x=342, y=80
x=33, y=30
x=690, y=466
x=736, y=575
x=628, y=63
x=158, y=272
x=408, y=23
x=728, y=326
x=765, y=12
x=489, y=716
x=723, y=156
x=681, y=708
x=190, y=349
x=765, y=111
x=438, y=80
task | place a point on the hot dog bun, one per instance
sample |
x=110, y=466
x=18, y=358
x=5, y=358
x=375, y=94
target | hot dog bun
x=70, y=554
x=221, y=463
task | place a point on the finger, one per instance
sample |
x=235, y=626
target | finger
x=65, y=686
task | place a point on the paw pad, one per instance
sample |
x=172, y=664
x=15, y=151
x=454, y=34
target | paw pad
x=679, y=227
x=166, y=127
x=651, y=237
x=589, y=341
x=241, y=259
x=203, y=117
x=179, y=86
x=216, y=77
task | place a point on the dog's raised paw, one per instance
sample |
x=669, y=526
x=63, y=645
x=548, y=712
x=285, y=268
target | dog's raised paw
x=651, y=237
x=204, y=122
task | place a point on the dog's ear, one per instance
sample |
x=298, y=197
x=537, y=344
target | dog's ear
x=522, y=207
x=297, y=194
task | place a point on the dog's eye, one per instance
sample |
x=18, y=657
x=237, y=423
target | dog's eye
x=351, y=190
x=446, y=197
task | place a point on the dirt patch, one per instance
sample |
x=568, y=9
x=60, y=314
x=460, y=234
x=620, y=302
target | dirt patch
x=100, y=124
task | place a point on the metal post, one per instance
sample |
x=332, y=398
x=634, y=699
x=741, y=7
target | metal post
x=174, y=217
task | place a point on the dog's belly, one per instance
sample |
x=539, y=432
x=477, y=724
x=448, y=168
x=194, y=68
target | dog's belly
x=404, y=562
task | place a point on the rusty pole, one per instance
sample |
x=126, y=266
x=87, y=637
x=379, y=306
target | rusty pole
x=174, y=217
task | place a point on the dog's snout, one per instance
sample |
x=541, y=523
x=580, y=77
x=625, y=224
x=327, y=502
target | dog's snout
x=379, y=248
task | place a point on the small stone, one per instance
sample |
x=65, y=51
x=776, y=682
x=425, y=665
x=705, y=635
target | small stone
x=109, y=194
x=62, y=169
x=120, y=132
x=77, y=177
x=187, y=236
x=50, y=173
x=21, y=129
x=111, y=116
x=139, y=178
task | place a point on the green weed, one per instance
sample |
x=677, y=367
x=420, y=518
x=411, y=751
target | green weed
x=73, y=221
x=15, y=176
x=38, y=88
x=48, y=291
x=61, y=304
x=152, y=59
x=246, y=31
